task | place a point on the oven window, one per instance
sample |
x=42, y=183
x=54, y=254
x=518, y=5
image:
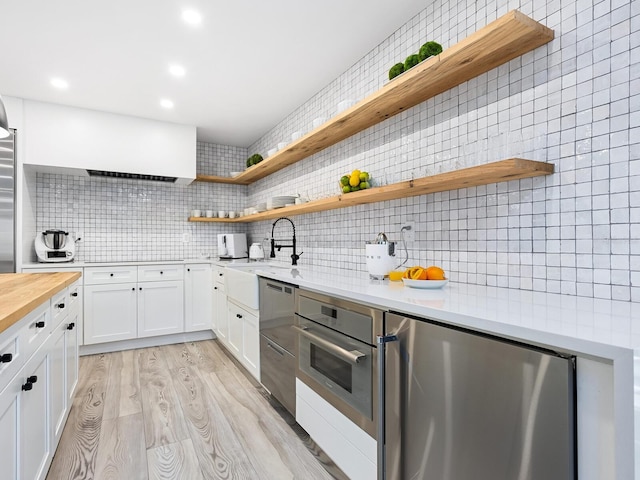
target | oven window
x=335, y=369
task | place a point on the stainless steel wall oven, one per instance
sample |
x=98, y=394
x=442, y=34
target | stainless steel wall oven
x=337, y=356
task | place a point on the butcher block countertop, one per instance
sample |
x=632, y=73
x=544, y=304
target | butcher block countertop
x=20, y=293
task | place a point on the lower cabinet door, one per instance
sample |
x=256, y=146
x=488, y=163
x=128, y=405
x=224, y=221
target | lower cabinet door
x=72, y=337
x=235, y=320
x=57, y=376
x=251, y=344
x=110, y=312
x=160, y=308
x=197, y=292
x=10, y=430
x=35, y=432
x=221, y=314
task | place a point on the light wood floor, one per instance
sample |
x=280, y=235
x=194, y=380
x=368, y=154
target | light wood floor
x=184, y=411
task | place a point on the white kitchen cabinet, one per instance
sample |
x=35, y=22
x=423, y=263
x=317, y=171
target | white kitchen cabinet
x=198, y=297
x=71, y=353
x=235, y=327
x=10, y=430
x=251, y=344
x=220, y=323
x=244, y=337
x=160, y=308
x=58, y=392
x=110, y=312
x=35, y=430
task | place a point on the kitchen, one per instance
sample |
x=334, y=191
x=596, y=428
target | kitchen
x=572, y=234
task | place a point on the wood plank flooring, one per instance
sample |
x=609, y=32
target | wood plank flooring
x=186, y=411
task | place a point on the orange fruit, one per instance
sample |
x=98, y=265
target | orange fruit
x=410, y=272
x=434, y=273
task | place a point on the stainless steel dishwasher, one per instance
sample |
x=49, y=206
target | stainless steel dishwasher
x=459, y=404
x=277, y=341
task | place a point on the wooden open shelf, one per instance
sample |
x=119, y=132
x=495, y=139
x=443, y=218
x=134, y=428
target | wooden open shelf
x=502, y=171
x=506, y=38
x=218, y=179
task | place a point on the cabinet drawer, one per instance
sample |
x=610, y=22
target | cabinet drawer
x=218, y=274
x=11, y=358
x=35, y=330
x=106, y=275
x=157, y=273
x=75, y=294
x=59, y=308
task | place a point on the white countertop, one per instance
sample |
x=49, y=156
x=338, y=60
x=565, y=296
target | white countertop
x=63, y=265
x=601, y=328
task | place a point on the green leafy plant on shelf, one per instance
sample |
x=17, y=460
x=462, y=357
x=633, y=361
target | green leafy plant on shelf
x=429, y=49
x=254, y=159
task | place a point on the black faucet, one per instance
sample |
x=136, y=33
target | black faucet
x=294, y=255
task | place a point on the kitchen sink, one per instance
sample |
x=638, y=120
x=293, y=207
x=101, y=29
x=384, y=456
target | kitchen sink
x=241, y=282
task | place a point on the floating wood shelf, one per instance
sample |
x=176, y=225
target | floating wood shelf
x=502, y=171
x=506, y=38
x=218, y=179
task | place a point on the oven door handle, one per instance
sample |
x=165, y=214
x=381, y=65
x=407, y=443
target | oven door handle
x=352, y=356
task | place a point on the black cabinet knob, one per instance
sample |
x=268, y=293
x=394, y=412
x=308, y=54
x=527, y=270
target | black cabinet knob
x=27, y=386
x=32, y=379
x=133, y=289
x=238, y=315
x=215, y=288
x=188, y=269
x=40, y=324
x=161, y=272
x=61, y=305
x=6, y=357
x=71, y=326
x=111, y=274
x=74, y=294
x=140, y=288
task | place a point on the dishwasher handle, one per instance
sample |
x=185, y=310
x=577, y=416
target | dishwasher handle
x=352, y=356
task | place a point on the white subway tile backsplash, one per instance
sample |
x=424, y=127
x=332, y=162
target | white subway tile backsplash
x=573, y=103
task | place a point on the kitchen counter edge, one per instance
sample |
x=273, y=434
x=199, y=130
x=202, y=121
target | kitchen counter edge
x=21, y=293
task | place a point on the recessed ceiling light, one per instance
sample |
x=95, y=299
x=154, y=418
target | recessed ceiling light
x=177, y=70
x=191, y=17
x=59, y=83
x=166, y=103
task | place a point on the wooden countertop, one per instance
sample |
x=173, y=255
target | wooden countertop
x=21, y=293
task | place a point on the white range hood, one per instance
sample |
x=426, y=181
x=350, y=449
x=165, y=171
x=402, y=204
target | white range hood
x=78, y=141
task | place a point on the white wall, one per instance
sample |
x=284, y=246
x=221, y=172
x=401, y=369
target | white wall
x=574, y=103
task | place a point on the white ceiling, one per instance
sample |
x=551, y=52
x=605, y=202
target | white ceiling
x=248, y=65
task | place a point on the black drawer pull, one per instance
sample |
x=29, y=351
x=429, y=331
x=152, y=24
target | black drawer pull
x=74, y=294
x=61, y=305
x=40, y=324
x=188, y=269
x=133, y=289
x=161, y=272
x=215, y=288
x=140, y=288
x=6, y=357
x=220, y=274
x=71, y=326
x=111, y=274
x=27, y=386
x=238, y=315
x=32, y=379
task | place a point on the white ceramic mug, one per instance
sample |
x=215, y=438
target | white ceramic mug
x=208, y=213
x=196, y=213
x=222, y=214
x=232, y=214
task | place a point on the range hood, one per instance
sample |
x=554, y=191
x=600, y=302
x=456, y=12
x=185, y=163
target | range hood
x=133, y=176
x=78, y=141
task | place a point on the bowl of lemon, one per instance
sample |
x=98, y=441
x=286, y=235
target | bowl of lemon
x=355, y=181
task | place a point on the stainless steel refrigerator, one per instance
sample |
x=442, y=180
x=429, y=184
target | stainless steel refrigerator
x=459, y=406
x=7, y=205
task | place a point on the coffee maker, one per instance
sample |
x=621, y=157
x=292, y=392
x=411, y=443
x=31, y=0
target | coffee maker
x=55, y=246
